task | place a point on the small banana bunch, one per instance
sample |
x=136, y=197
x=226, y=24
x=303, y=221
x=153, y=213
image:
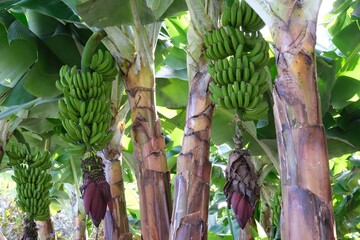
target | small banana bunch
x=242, y=15
x=33, y=180
x=85, y=109
x=104, y=64
x=237, y=55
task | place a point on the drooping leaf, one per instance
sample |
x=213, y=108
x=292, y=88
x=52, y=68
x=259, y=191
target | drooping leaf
x=171, y=93
x=16, y=58
x=326, y=73
x=351, y=134
x=177, y=28
x=345, y=91
x=40, y=84
x=45, y=110
x=106, y=13
x=176, y=59
x=36, y=125
x=112, y=13
x=27, y=105
x=53, y=8
x=18, y=95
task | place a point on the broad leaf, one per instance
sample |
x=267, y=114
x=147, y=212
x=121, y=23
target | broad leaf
x=326, y=73
x=16, y=58
x=177, y=28
x=17, y=96
x=28, y=105
x=40, y=84
x=345, y=91
x=53, y=8
x=171, y=93
x=114, y=13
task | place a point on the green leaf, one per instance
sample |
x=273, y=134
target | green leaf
x=171, y=93
x=112, y=13
x=40, y=84
x=16, y=108
x=40, y=24
x=16, y=59
x=168, y=72
x=177, y=29
x=176, y=59
x=45, y=110
x=36, y=125
x=348, y=39
x=107, y=13
x=345, y=91
x=326, y=73
x=161, y=51
x=64, y=47
x=54, y=8
x=337, y=147
x=351, y=134
x=18, y=95
x=158, y=7
x=176, y=7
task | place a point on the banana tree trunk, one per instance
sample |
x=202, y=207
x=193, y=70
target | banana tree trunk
x=152, y=172
x=306, y=193
x=193, y=166
x=192, y=183
x=153, y=176
x=45, y=229
x=79, y=222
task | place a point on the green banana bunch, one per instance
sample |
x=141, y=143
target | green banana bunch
x=237, y=54
x=241, y=15
x=33, y=181
x=17, y=154
x=104, y=64
x=85, y=110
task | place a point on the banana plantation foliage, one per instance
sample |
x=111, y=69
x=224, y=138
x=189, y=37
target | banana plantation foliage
x=229, y=119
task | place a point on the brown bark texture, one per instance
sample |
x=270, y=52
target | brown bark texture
x=45, y=229
x=191, y=195
x=79, y=226
x=152, y=173
x=116, y=222
x=307, y=208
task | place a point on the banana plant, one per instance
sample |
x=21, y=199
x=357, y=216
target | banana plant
x=28, y=83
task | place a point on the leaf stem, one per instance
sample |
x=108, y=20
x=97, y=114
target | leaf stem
x=230, y=223
x=73, y=169
x=90, y=48
x=142, y=42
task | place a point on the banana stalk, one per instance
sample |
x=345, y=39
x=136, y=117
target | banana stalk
x=45, y=229
x=79, y=222
x=301, y=137
x=116, y=222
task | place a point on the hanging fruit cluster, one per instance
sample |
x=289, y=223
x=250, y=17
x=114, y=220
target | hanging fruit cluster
x=86, y=117
x=85, y=110
x=33, y=181
x=237, y=55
